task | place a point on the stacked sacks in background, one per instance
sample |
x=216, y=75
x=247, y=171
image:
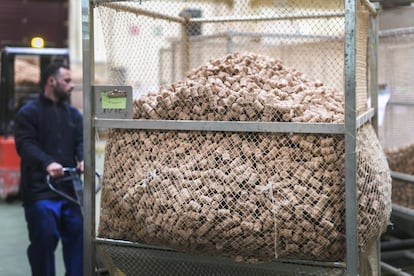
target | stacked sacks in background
x=401, y=160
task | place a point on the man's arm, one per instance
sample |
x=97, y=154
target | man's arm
x=79, y=140
x=27, y=144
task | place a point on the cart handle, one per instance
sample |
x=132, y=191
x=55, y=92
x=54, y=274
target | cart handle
x=71, y=171
x=70, y=176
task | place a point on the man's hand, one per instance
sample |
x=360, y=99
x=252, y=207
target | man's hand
x=55, y=169
x=80, y=166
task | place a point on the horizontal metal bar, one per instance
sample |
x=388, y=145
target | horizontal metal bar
x=394, y=270
x=396, y=32
x=222, y=260
x=208, y=37
x=233, y=126
x=284, y=35
x=398, y=244
x=135, y=10
x=409, y=254
x=265, y=18
x=227, y=35
x=35, y=51
x=402, y=176
x=402, y=212
x=401, y=103
x=392, y=255
x=130, y=244
x=365, y=117
x=140, y=11
x=96, y=2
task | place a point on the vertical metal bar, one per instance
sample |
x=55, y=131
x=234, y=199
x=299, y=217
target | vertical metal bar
x=88, y=139
x=173, y=63
x=229, y=43
x=160, y=65
x=373, y=61
x=185, y=47
x=350, y=140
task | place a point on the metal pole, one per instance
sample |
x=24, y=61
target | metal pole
x=373, y=67
x=173, y=63
x=373, y=62
x=185, y=46
x=229, y=43
x=266, y=18
x=352, y=263
x=402, y=176
x=393, y=270
x=88, y=141
x=139, y=11
x=396, y=32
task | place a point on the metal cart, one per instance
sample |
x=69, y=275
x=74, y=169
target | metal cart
x=132, y=258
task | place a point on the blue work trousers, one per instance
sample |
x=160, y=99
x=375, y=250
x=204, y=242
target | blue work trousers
x=47, y=222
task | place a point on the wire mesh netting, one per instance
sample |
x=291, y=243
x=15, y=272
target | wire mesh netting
x=252, y=197
x=155, y=261
x=155, y=43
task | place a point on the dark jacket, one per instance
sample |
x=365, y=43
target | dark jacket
x=46, y=132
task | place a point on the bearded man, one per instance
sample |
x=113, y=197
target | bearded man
x=49, y=137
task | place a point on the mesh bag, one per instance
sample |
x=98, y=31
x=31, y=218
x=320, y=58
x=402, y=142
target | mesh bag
x=250, y=196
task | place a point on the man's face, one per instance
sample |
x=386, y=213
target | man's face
x=63, y=85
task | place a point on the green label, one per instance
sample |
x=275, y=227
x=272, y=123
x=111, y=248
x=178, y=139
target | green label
x=113, y=102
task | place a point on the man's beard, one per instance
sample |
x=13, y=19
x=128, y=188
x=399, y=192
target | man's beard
x=61, y=95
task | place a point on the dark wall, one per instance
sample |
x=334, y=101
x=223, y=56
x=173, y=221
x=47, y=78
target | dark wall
x=20, y=20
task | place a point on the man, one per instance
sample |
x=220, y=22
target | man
x=49, y=137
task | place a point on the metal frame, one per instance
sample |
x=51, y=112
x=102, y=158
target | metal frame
x=89, y=141
x=350, y=140
x=349, y=129
x=285, y=265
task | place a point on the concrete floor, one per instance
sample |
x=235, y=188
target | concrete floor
x=14, y=241
x=14, y=236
